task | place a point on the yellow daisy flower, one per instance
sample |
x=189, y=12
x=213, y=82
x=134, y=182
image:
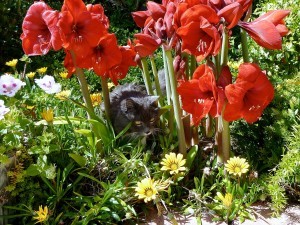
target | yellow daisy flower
x=63, y=95
x=110, y=85
x=42, y=214
x=42, y=70
x=47, y=115
x=96, y=99
x=30, y=75
x=236, y=166
x=12, y=63
x=226, y=200
x=173, y=163
x=146, y=189
x=63, y=74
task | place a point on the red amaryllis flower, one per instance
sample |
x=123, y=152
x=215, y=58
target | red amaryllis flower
x=232, y=13
x=145, y=44
x=199, y=95
x=105, y=55
x=249, y=95
x=268, y=29
x=79, y=29
x=200, y=38
x=40, y=31
x=119, y=71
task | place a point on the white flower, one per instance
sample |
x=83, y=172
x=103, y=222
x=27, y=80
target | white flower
x=10, y=85
x=48, y=84
x=3, y=109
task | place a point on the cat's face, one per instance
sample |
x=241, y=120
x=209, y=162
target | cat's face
x=143, y=113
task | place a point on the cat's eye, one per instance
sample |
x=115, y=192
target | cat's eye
x=138, y=123
x=152, y=120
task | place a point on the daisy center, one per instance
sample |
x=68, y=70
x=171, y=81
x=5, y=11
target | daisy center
x=174, y=166
x=149, y=192
x=237, y=169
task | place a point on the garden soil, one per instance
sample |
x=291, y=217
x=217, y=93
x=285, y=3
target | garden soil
x=263, y=214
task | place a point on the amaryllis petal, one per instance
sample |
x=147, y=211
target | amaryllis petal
x=140, y=17
x=156, y=10
x=232, y=13
x=263, y=33
x=98, y=11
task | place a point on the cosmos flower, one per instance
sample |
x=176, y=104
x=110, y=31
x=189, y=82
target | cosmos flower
x=42, y=214
x=3, y=109
x=47, y=115
x=236, y=166
x=12, y=63
x=9, y=85
x=146, y=189
x=48, y=84
x=173, y=163
x=226, y=200
x=30, y=75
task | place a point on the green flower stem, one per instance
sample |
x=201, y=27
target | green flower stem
x=105, y=95
x=84, y=88
x=244, y=46
x=224, y=50
x=193, y=66
x=223, y=134
x=176, y=105
x=146, y=76
x=156, y=81
x=170, y=115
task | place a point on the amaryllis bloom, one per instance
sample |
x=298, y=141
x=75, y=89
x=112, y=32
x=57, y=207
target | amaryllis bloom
x=40, y=31
x=145, y=44
x=79, y=28
x=119, y=71
x=268, y=29
x=9, y=85
x=48, y=84
x=198, y=32
x=199, y=95
x=105, y=55
x=249, y=95
x=3, y=109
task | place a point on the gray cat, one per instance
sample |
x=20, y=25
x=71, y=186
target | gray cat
x=130, y=103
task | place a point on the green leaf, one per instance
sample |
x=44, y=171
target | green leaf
x=32, y=170
x=85, y=132
x=81, y=161
x=191, y=156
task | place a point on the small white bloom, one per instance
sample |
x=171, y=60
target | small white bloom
x=3, y=109
x=10, y=85
x=48, y=84
x=206, y=171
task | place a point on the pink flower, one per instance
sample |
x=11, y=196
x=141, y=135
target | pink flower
x=9, y=85
x=48, y=84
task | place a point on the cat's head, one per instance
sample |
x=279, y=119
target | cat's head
x=143, y=113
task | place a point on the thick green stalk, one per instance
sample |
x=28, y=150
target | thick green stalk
x=193, y=66
x=156, y=81
x=176, y=104
x=146, y=76
x=84, y=87
x=223, y=131
x=105, y=95
x=244, y=46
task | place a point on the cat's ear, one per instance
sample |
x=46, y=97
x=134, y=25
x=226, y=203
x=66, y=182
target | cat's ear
x=154, y=100
x=130, y=105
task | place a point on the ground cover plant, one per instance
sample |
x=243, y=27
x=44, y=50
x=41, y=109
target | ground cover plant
x=63, y=163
